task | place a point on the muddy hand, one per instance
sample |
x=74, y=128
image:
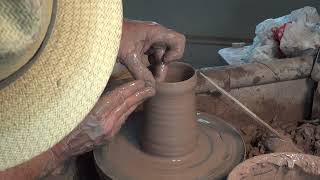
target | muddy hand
x=105, y=119
x=162, y=45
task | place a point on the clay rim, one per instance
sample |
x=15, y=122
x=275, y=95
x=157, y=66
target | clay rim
x=187, y=84
x=279, y=159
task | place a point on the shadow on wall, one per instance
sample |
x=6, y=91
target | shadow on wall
x=230, y=19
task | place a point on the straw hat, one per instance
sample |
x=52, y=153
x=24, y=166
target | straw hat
x=54, y=64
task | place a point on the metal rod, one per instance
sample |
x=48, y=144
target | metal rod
x=243, y=107
x=216, y=40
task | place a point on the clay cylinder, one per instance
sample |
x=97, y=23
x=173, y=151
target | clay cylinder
x=170, y=126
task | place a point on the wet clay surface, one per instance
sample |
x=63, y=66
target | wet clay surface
x=169, y=127
x=278, y=166
x=218, y=150
x=169, y=140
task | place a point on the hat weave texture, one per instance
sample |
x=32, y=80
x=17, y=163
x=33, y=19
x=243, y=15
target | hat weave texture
x=54, y=95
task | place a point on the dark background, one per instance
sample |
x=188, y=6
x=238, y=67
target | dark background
x=203, y=21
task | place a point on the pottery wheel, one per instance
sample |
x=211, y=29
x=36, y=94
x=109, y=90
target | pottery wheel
x=220, y=148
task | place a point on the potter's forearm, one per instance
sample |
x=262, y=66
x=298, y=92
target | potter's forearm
x=36, y=168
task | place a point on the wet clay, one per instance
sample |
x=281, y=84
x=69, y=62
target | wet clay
x=169, y=140
x=170, y=127
x=278, y=166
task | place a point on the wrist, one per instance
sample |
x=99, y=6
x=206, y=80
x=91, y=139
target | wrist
x=59, y=153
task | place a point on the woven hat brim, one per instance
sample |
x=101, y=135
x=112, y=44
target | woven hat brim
x=52, y=97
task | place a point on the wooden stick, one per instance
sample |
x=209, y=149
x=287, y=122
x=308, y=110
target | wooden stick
x=243, y=107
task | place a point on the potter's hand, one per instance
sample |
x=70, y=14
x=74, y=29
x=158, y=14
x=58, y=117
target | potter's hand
x=159, y=43
x=104, y=120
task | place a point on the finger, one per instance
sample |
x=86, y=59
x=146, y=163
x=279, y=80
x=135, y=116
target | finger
x=160, y=72
x=155, y=54
x=159, y=52
x=108, y=125
x=138, y=70
x=173, y=54
x=131, y=101
x=122, y=113
x=139, y=96
x=176, y=48
x=174, y=42
x=124, y=117
x=158, y=68
x=108, y=102
x=121, y=120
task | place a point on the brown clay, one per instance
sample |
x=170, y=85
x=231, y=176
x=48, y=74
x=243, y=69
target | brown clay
x=278, y=166
x=174, y=142
x=170, y=127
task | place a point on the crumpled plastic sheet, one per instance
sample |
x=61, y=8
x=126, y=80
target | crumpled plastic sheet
x=301, y=36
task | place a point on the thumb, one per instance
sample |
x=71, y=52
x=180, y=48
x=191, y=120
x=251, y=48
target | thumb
x=138, y=70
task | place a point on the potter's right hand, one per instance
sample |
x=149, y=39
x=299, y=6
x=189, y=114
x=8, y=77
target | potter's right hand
x=161, y=44
x=105, y=119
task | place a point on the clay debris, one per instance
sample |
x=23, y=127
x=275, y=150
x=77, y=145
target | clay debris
x=304, y=138
x=307, y=137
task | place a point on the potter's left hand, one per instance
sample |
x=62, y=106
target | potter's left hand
x=104, y=120
x=152, y=39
